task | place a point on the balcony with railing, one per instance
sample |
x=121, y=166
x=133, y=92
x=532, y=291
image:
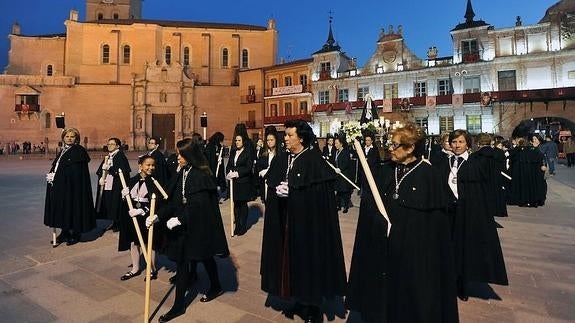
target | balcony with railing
x=26, y=108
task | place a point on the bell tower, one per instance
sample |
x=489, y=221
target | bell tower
x=113, y=9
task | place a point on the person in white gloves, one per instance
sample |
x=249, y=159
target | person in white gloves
x=192, y=214
x=263, y=163
x=240, y=171
x=140, y=190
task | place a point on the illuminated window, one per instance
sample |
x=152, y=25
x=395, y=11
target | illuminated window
x=474, y=124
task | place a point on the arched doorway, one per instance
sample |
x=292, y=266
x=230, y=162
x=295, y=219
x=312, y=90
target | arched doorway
x=544, y=126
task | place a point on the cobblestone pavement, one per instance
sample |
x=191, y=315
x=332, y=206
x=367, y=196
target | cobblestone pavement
x=81, y=283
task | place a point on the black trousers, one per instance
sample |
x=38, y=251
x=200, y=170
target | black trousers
x=240, y=217
x=186, y=271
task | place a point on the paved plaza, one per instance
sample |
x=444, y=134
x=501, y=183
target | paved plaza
x=81, y=283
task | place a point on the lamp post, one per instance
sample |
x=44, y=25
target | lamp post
x=204, y=122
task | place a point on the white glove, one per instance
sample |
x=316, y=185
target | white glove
x=151, y=220
x=136, y=212
x=125, y=192
x=50, y=177
x=232, y=175
x=105, y=166
x=263, y=172
x=282, y=190
x=102, y=181
x=338, y=171
x=173, y=222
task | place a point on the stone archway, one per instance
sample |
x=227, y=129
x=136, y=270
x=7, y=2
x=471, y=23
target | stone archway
x=544, y=126
x=512, y=114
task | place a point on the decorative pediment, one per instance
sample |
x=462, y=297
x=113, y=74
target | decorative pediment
x=26, y=90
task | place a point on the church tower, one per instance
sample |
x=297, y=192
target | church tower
x=113, y=9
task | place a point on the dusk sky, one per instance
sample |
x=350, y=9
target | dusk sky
x=302, y=25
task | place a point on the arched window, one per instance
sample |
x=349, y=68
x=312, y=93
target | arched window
x=116, y=16
x=100, y=16
x=49, y=70
x=186, y=56
x=106, y=54
x=126, y=54
x=168, y=55
x=245, y=58
x=225, y=57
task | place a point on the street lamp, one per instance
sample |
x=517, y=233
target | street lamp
x=204, y=122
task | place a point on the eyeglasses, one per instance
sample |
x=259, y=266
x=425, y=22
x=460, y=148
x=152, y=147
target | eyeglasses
x=395, y=145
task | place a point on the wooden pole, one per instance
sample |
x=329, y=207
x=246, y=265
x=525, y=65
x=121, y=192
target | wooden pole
x=371, y=182
x=148, y=252
x=134, y=220
x=232, y=226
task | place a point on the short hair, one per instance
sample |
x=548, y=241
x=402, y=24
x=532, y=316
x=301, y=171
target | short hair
x=76, y=134
x=191, y=150
x=410, y=134
x=483, y=139
x=142, y=159
x=303, y=131
x=117, y=141
x=460, y=132
x=536, y=136
x=342, y=140
x=155, y=139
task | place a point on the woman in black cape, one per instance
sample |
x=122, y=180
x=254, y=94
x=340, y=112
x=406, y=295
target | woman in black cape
x=528, y=187
x=408, y=276
x=302, y=253
x=342, y=162
x=272, y=150
x=193, y=217
x=493, y=161
x=214, y=154
x=69, y=204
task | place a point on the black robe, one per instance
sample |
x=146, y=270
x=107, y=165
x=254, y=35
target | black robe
x=127, y=231
x=477, y=250
x=244, y=187
x=343, y=162
x=161, y=170
x=201, y=234
x=408, y=277
x=69, y=204
x=112, y=204
x=493, y=160
x=212, y=153
x=302, y=241
x=528, y=186
x=329, y=154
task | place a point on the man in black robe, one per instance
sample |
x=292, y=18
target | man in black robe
x=160, y=172
x=302, y=254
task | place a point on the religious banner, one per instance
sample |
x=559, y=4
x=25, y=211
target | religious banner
x=387, y=106
x=431, y=102
x=457, y=100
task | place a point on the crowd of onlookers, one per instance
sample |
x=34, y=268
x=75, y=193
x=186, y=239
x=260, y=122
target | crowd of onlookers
x=14, y=148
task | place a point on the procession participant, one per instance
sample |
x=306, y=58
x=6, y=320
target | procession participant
x=140, y=189
x=493, y=161
x=528, y=187
x=263, y=163
x=214, y=154
x=196, y=236
x=438, y=155
x=69, y=204
x=328, y=151
x=110, y=186
x=240, y=167
x=408, y=276
x=343, y=165
x=371, y=154
x=160, y=172
x=477, y=250
x=302, y=255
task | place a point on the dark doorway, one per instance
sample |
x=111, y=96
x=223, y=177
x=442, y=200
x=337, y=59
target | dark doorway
x=551, y=126
x=163, y=128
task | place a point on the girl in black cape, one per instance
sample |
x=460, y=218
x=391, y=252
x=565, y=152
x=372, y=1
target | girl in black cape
x=408, y=276
x=272, y=149
x=193, y=217
x=140, y=190
x=69, y=204
x=477, y=250
x=109, y=203
x=302, y=254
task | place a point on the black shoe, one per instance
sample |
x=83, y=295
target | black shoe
x=313, y=315
x=345, y=210
x=153, y=275
x=73, y=239
x=129, y=275
x=172, y=314
x=211, y=294
x=62, y=237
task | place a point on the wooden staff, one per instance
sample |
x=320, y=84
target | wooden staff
x=219, y=161
x=342, y=175
x=148, y=252
x=134, y=220
x=232, y=225
x=371, y=182
x=104, y=175
x=160, y=188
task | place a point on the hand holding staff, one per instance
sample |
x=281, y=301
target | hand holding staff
x=148, y=253
x=341, y=174
x=134, y=220
x=371, y=182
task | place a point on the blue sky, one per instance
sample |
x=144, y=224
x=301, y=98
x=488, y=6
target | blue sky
x=302, y=25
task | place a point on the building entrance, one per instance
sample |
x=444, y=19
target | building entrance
x=163, y=128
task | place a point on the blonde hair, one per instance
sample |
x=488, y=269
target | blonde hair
x=73, y=130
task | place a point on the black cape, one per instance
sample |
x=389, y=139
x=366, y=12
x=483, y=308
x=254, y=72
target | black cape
x=212, y=153
x=493, y=161
x=408, y=277
x=244, y=185
x=528, y=186
x=343, y=162
x=302, y=241
x=113, y=205
x=201, y=234
x=161, y=170
x=69, y=204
